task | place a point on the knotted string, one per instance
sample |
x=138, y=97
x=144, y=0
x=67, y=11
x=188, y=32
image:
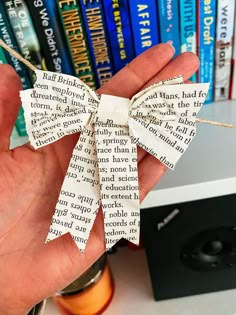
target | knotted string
x=33, y=68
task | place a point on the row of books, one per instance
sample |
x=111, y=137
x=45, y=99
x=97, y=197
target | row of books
x=93, y=39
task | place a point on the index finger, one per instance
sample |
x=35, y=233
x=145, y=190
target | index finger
x=138, y=72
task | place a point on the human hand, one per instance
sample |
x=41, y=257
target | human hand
x=30, y=182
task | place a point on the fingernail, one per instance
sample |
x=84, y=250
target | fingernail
x=170, y=42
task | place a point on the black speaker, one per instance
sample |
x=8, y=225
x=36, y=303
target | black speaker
x=191, y=246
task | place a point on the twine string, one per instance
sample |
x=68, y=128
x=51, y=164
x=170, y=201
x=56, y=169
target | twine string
x=33, y=68
x=215, y=123
x=18, y=56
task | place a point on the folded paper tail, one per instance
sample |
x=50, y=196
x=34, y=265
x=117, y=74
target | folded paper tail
x=79, y=199
x=114, y=184
x=118, y=174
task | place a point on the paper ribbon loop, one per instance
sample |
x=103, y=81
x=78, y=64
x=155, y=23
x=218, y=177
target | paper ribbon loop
x=103, y=166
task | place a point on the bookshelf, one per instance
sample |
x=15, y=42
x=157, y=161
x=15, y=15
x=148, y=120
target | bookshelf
x=94, y=39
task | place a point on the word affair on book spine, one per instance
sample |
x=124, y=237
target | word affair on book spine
x=144, y=24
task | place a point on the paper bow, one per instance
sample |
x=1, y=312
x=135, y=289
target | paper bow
x=103, y=166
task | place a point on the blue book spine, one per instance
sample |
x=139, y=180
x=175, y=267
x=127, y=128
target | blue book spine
x=53, y=34
x=144, y=20
x=188, y=28
x=169, y=23
x=119, y=31
x=206, y=44
x=98, y=41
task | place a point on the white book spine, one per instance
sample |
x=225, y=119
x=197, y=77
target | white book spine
x=233, y=94
x=224, y=48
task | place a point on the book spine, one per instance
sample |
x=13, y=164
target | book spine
x=120, y=33
x=224, y=48
x=24, y=32
x=50, y=34
x=20, y=123
x=233, y=65
x=188, y=28
x=7, y=35
x=206, y=44
x=144, y=20
x=77, y=42
x=96, y=31
x=169, y=23
x=2, y=56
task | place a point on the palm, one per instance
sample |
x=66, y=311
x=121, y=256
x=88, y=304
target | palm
x=30, y=182
x=25, y=229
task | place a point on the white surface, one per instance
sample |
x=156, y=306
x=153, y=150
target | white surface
x=208, y=167
x=133, y=293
